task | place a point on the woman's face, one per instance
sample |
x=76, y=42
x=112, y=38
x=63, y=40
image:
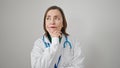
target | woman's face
x=54, y=21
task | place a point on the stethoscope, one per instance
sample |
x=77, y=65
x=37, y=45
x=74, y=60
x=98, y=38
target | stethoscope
x=64, y=45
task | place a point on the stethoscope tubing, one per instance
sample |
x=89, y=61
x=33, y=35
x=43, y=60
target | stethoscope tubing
x=64, y=45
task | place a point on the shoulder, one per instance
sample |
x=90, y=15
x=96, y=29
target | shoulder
x=75, y=42
x=39, y=43
x=38, y=47
x=77, y=47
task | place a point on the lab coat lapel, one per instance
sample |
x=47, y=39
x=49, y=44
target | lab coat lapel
x=46, y=39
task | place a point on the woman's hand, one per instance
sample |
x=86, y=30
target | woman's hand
x=56, y=33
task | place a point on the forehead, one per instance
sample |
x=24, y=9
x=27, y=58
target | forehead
x=54, y=12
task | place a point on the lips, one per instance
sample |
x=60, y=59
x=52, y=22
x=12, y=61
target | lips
x=52, y=27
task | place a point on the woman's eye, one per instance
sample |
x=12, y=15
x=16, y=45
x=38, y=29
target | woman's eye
x=56, y=18
x=48, y=18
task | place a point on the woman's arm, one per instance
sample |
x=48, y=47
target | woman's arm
x=42, y=58
x=78, y=58
x=39, y=56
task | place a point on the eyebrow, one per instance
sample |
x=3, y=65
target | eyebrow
x=54, y=16
x=48, y=16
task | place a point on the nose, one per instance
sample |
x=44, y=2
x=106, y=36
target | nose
x=52, y=21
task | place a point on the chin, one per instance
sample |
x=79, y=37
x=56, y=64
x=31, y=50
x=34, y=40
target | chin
x=50, y=30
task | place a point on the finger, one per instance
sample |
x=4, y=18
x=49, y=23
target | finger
x=56, y=33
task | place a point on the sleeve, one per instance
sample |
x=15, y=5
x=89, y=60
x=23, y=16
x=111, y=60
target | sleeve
x=78, y=57
x=42, y=58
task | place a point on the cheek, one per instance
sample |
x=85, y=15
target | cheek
x=60, y=26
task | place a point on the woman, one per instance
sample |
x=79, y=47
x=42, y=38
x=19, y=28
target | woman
x=55, y=49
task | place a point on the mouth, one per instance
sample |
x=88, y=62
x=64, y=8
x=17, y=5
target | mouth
x=52, y=27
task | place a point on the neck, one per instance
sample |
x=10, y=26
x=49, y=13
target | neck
x=50, y=39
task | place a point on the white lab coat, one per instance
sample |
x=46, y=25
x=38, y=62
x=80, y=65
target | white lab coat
x=47, y=57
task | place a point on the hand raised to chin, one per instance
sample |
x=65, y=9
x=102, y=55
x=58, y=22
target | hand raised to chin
x=55, y=33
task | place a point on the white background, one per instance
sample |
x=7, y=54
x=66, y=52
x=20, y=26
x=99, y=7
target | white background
x=96, y=23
